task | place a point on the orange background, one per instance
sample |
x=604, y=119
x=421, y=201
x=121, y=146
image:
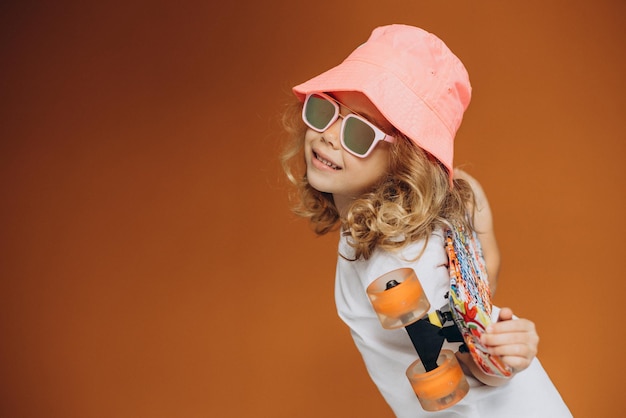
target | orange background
x=150, y=266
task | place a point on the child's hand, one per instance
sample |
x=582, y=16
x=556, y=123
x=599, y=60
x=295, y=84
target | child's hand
x=514, y=340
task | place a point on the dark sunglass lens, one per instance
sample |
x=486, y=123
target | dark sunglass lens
x=358, y=136
x=319, y=112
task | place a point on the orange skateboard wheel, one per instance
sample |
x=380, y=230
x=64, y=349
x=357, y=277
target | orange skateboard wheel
x=439, y=388
x=402, y=304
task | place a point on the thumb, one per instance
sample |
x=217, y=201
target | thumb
x=506, y=314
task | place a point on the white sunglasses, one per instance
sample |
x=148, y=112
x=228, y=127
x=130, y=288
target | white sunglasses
x=358, y=135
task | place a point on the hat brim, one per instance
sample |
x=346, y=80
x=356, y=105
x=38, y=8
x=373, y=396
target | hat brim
x=404, y=109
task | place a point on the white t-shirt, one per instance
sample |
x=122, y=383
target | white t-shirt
x=388, y=353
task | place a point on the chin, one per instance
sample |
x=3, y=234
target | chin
x=316, y=183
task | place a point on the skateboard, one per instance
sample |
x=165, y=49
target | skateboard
x=399, y=301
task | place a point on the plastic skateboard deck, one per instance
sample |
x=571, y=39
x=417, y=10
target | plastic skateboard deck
x=470, y=298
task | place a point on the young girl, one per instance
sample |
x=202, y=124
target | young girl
x=376, y=136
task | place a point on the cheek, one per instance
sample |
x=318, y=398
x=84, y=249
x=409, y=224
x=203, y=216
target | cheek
x=364, y=174
x=309, y=138
x=310, y=135
x=378, y=169
x=383, y=158
x=375, y=165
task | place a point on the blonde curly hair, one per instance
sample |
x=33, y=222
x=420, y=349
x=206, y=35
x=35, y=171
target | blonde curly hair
x=410, y=201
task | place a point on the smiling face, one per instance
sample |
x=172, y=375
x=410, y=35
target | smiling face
x=332, y=169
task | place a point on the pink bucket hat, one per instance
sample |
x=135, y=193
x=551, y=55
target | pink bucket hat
x=413, y=79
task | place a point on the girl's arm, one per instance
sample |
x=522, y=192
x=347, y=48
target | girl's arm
x=483, y=223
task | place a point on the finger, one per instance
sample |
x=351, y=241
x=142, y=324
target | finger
x=505, y=314
x=515, y=325
x=516, y=363
x=510, y=338
x=520, y=348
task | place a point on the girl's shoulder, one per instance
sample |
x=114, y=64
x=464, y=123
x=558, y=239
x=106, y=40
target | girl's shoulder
x=483, y=225
x=477, y=189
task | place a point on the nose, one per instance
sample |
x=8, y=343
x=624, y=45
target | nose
x=332, y=134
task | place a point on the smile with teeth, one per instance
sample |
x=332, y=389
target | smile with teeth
x=328, y=163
